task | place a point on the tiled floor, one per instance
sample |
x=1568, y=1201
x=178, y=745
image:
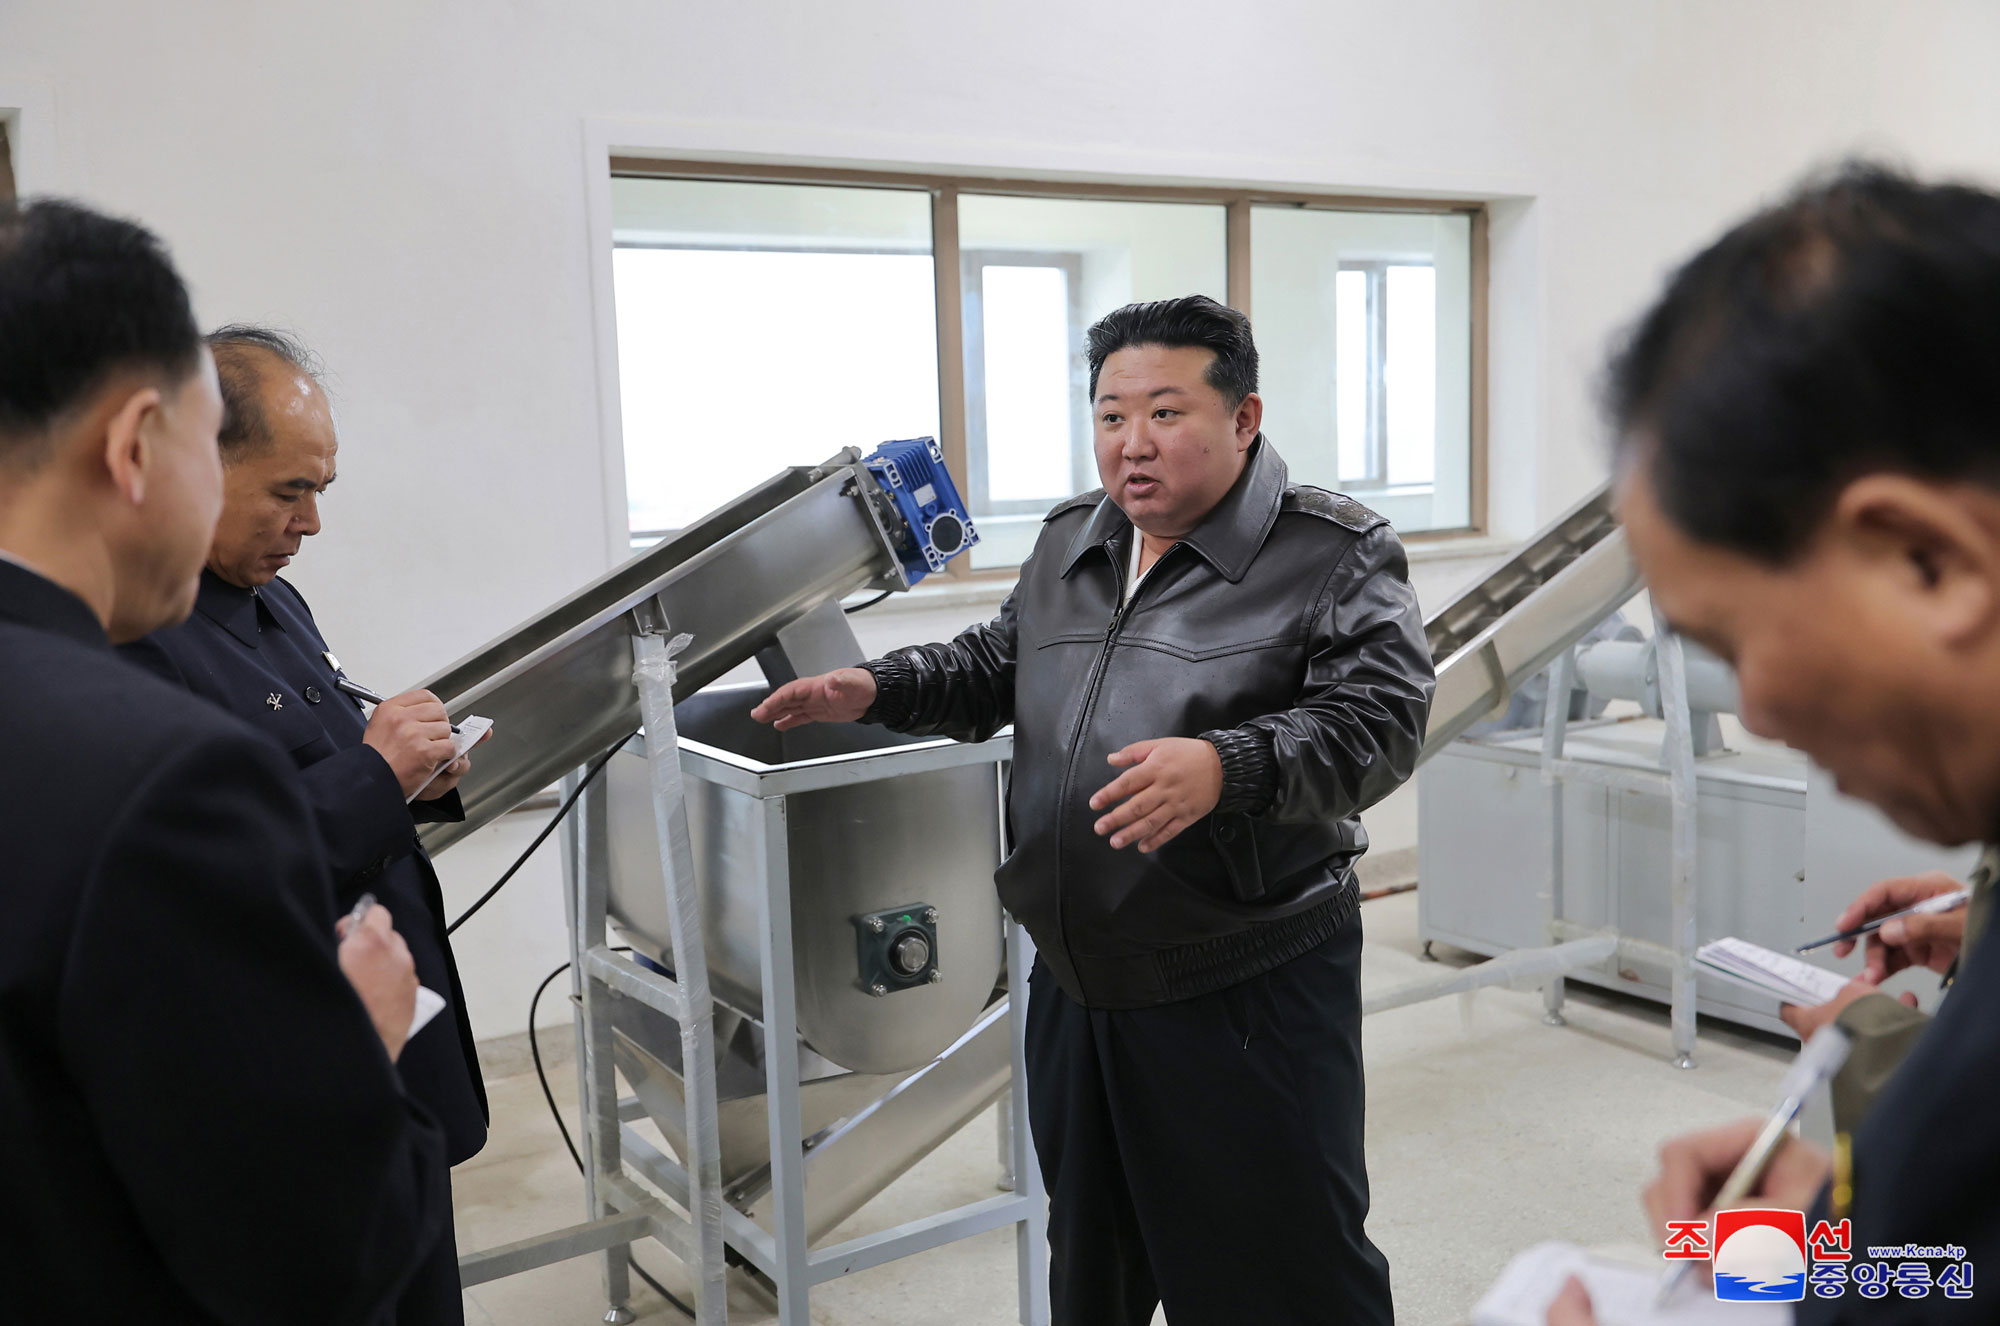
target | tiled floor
x=1486, y=1131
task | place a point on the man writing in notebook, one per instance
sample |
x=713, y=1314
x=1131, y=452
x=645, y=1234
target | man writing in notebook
x=252, y=647
x=1809, y=471
x=1884, y=1029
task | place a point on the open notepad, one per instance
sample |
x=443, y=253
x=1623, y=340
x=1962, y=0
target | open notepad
x=463, y=739
x=1779, y=975
x=1621, y=1294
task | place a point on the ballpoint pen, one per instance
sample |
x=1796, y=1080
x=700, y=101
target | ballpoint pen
x=1820, y=1060
x=1943, y=902
x=355, y=688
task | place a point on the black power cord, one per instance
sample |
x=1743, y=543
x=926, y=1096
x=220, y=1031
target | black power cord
x=866, y=604
x=541, y=837
x=541, y=1075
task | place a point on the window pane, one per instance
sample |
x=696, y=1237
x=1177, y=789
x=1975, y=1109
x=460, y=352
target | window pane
x=1028, y=422
x=1376, y=402
x=761, y=326
x=1027, y=383
x=1350, y=374
x=1409, y=374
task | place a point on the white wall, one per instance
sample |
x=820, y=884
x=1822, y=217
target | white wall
x=404, y=183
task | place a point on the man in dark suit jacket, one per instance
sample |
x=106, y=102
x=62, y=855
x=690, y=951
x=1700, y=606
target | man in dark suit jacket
x=200, y=1121
x=252, y=646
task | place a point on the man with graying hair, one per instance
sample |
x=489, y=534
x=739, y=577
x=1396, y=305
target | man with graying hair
x=1808, y=429
x=199, y=1120
x=252, y=647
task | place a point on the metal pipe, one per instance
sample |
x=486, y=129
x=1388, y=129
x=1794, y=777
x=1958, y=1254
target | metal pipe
x=1629, y=670
x=1523, y=967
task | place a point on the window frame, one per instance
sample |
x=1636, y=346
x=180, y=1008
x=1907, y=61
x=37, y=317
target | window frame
x=948, y=264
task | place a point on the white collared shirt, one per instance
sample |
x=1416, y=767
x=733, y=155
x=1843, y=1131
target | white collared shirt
x=1132, y=573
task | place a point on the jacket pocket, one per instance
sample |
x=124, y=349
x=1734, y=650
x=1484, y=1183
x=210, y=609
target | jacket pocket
x=1236, y=843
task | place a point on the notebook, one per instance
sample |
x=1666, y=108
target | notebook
x=1779, y=975
x=464, y=739
x=1621, y=1294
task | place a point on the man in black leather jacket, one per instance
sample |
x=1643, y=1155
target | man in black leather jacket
x=1210, y=671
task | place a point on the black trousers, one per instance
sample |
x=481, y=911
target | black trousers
x=432, y=1296
x=1208, y=1153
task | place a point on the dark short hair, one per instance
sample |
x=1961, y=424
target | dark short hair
x=1191, y=320
x=82, y=296
x=1852, y=328
x=245, y=431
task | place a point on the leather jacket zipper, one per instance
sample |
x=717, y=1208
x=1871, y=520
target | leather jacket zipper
x=1097, y=672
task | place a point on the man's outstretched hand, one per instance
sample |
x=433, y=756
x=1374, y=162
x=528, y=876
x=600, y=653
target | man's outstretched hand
x=841, y=696
x=1167, y=785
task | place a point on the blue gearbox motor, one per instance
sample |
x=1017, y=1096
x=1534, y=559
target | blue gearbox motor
x=912, y=474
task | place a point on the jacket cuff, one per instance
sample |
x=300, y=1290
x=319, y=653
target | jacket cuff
x=895, y=692
x=447, y=809
x=1249, y=770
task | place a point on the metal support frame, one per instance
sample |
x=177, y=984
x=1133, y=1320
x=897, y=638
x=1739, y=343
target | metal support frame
x=695, y=1222
x=1678, y=755
x=1572, y=947
x=1678, y=783
x=1555, y=728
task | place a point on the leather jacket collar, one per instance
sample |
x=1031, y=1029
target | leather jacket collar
x=1228, y=537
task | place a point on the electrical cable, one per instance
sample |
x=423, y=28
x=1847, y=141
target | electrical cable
x=541, y=837
x=541, y=1075
x=866, y=604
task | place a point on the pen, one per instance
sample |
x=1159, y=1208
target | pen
x=1820, y=1060
x=355, y=688
x=1943, y=902
x=362, y=906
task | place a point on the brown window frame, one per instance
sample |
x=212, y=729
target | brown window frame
x=8, y=192
x=944, y=190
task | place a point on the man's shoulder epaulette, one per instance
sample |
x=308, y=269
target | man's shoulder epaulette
x=1089, y=499
x=1337, y=507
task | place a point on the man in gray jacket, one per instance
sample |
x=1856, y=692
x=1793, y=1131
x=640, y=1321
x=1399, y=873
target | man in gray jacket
x=1210, y=671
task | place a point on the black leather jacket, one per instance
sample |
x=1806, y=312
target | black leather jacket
x=1284, y=631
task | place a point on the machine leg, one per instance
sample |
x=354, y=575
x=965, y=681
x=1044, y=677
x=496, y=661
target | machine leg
x=1031, y=1236
x=781, y=1065
x=653, y=673
x=1555, y=732
x=1552, y=1004
x=584, y=889
x=1004, y=1113
x=1678, y=754
x=1427, y=952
